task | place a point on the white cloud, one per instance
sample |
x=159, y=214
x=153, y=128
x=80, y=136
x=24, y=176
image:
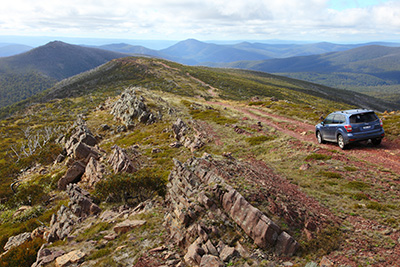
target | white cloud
x=207, y=19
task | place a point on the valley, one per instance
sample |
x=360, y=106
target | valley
x=174, y=147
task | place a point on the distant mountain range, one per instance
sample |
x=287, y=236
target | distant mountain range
x=7, y=50
x=368, y=68
x=26, y=74
x=372, y=69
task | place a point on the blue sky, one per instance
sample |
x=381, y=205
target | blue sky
x=303, y=20
x=349, y=4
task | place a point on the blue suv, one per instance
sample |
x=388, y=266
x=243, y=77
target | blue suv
x=348, y=126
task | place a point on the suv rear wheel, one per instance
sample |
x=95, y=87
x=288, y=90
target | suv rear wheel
x=340, y=141
x=376, y=141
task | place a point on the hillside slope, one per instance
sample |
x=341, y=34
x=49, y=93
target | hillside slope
x=146, y=162
x=367, y=69
x=31, y=72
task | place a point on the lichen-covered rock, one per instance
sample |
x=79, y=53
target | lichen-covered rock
x=93, y=173
x=194, y=254
x=128, y=225
x=81, y=203
x=120, y=161
x=73, y=175
x=61, y=224
x=75, y=256
x=15, y=241
x=130, y=108
x=211, y=261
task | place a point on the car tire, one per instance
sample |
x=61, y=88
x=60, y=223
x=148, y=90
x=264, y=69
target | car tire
x=376, y=141
x=340, y=141
x=319, y=138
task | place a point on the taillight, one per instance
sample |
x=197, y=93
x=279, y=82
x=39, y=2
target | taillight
x=380, y=122
x=348, y=128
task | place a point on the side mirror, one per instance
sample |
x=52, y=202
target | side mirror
x=322, y=123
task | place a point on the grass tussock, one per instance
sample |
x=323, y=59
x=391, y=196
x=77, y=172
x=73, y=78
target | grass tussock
x=317, y=156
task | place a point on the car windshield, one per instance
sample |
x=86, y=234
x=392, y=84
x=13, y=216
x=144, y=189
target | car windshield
x=363, y=117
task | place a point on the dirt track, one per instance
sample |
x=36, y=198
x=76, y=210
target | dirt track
x=386, y=155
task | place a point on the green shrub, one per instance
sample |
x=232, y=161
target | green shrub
x=328, y=174
x=137, y=186
x=360, y=196
x=23, y=255
x=350, y=168
x=316, y=156
x=257, y=140
x=30, y=194
x=357, y=185
x=376, y=206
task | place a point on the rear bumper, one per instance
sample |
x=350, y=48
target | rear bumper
x=350, y=138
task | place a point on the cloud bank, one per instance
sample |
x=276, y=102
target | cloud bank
x=206, y=19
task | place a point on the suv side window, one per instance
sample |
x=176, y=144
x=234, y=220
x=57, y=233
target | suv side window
x=329, y=119
x=339, y=119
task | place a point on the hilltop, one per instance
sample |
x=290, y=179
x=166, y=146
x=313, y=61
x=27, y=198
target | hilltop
x=146, y=162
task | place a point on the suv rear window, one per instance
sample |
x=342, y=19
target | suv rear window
x=363, y=117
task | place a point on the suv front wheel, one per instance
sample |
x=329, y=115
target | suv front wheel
x=340, y=141
x=319, y=138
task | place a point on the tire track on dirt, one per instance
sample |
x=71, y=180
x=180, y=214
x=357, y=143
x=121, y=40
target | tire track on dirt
x=386, y=155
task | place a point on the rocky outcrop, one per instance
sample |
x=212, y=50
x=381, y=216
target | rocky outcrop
x=73, y=175
x=81, y=203
x=81, y=144
x=61, y=224
x=80, y=207
x=181, y=133
x=80, y=148
x=196, y=191
x=93, y=173
x=120, y=161
x=130, y=107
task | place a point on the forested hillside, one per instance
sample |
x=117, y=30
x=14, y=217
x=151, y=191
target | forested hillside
x=28, y=73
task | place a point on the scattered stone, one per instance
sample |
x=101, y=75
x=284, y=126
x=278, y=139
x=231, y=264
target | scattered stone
x=46, y=256
x=158, y=249
x=194, y=254
x=176, y=144
x=128, y=225
x=21, y=210
x=179, y=128
x=209, y=248
x=104, y=127
x=311, y=264
x=325, y=262
x=15, y=241
x=287, y=263
x=211, y=261
x=75, y=256
x=155, y=150
x=305, y=167
x=110, y=236
x=228, y=253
